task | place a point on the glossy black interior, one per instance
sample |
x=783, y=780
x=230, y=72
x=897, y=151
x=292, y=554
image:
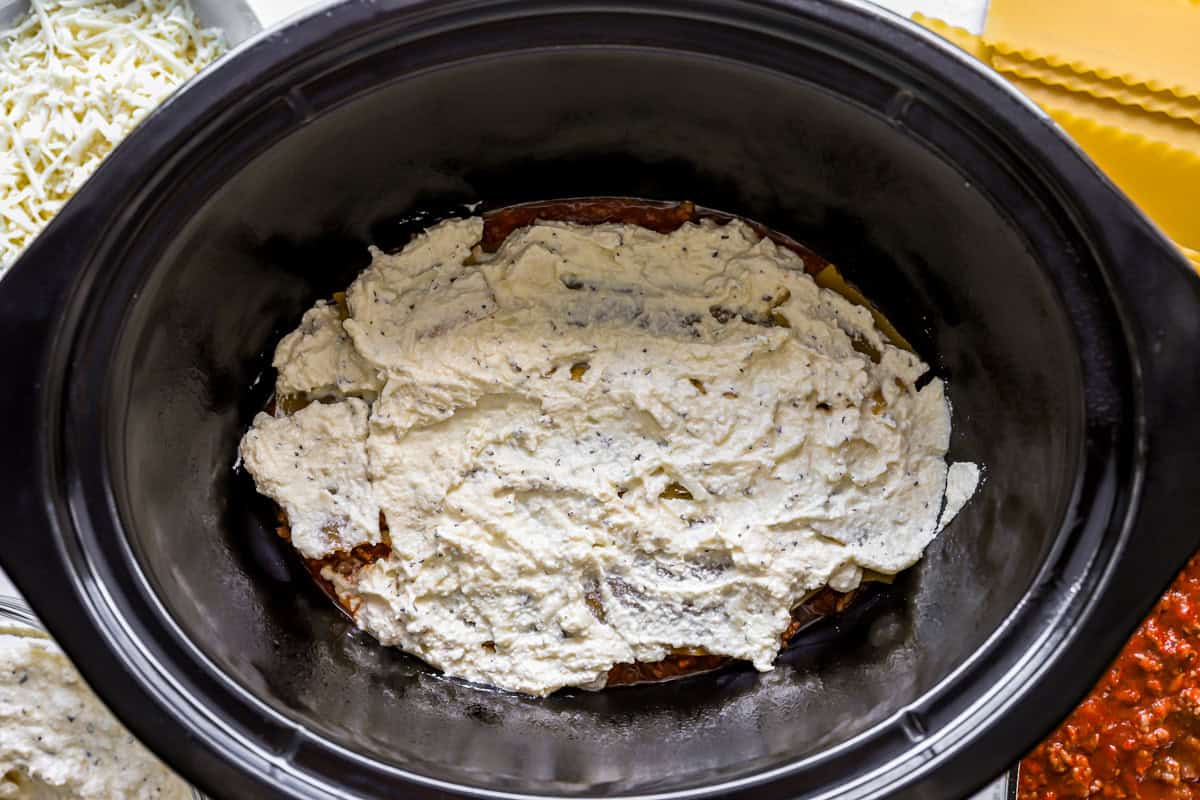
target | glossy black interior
x=137, y=333
x=292, y=225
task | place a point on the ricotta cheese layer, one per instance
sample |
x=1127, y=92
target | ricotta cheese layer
x=598, y=445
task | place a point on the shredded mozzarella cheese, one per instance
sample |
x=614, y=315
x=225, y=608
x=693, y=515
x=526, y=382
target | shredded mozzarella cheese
x=75, y=77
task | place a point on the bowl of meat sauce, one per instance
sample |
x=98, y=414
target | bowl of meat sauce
x=1137, y=733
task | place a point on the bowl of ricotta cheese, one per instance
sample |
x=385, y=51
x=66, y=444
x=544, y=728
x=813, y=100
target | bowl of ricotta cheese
x=57, y=739
x=497, y=482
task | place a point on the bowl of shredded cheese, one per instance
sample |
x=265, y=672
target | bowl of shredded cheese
x=76, y=76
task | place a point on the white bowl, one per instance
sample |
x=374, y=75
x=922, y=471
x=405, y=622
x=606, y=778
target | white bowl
x=15, y=613
x=234, y=17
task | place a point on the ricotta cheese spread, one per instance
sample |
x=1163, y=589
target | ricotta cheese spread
x=58, y=742
x=599, y=445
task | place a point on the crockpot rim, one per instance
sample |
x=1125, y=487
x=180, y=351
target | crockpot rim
x=57, y=474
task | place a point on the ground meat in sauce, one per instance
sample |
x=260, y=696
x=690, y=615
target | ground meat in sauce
x=1137, y=735
x=659, y=216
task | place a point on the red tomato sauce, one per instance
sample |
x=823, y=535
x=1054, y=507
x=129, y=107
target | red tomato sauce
x=1137, y=735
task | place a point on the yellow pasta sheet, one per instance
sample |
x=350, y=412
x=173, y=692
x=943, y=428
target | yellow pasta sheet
x=1145, y=139
x=1150, y=43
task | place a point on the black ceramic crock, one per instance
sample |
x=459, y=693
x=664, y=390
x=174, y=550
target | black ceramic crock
x=135, y=337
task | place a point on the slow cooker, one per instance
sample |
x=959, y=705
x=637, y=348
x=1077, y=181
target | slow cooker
x=136, y=335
